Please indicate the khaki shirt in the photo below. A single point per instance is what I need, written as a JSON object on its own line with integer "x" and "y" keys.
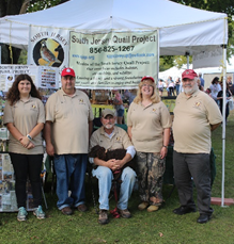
{"x": 70, "y": 117}
{"x": 148, "y": 124}
{"x": 118, "y": 140}
{"x": 25, "y": 116}
{"x": 192, "y": 119}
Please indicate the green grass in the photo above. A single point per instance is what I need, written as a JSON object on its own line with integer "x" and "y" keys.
{"x": 159, "y": 227}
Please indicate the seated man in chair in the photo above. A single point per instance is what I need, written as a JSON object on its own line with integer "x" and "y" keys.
{"x": 112, "y": 137}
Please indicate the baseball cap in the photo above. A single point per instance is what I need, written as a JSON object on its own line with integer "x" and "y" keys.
{"x": 68, "y": 71}
{"x": 107, "y": 111}
{"x": 189, "y": 74}
{"x": 147, "y": 77}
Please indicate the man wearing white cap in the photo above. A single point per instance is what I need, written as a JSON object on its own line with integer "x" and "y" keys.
{"x": 112, "y": 137}
{"x": 195, "y": 116}
{"x": 68, "y": 128}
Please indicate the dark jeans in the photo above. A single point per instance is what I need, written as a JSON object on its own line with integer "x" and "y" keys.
{"x": 171, "y": 91}
{"x": 27, "y": 166}
{"x": 197, "y": 166}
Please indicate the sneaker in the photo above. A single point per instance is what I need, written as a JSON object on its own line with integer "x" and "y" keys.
{"x": 39, "y": 213}
{"x": 22, "y": 214}
{"x": 143, "y": 205}
{"x": 103, "y": 217}
{"x": 125, "y": 213}
{"x": 152, "y": 208}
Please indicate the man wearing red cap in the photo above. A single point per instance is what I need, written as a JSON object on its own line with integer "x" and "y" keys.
{"x": 195, "y": 116}
{"x": 68, "y": 128}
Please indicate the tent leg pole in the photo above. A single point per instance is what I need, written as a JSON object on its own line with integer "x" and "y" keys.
{"x": 224, "y": 122}
{"x": 187, "y": 56}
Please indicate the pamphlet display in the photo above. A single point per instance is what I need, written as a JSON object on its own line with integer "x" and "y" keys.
{"x": 43, "y": 76}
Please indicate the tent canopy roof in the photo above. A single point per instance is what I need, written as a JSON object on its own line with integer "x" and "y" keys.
{"x": 181, "y": 28}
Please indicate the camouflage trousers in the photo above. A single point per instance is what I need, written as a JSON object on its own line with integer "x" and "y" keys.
{"x": 150, "y": 170}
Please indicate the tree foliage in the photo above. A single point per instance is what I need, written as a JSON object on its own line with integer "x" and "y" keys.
{"x": 15, "y": 7}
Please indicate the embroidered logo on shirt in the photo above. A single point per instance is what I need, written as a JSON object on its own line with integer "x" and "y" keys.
{"x": 153, "y": 110}
{"x": 81, "y": 101}
{"x": 198, "y": 105}
{"x": 34, "y": 106}
{"x": 117, "y": 139}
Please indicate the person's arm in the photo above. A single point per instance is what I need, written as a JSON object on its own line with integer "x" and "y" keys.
{"x": 14, "y": 131}
{"x": 111, "y": 164}
{"x": 34, "y": 132}
{"x": 213, "y": 127}
{"x": 166, "y": 139}
{"x": 130, "y": 132}
{"x": 90, "y": 128}
{"x": 47, "y": 136}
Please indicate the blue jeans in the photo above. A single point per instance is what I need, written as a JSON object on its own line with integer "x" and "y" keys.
{"x": 70, "y": 170}
{"x": 105, "y": 177}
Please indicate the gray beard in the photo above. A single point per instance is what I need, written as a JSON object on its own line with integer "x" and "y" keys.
{"x": 190, "y": 91}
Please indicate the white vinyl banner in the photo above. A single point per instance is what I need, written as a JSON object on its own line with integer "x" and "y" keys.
{"x": 113, "y": 60}
{"x": 208, "y": 59}
{"x": 48, "y": 47}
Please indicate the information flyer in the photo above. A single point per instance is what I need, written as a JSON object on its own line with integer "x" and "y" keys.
{"x": 42, "y": 76}
{"x": 113, "y": 60}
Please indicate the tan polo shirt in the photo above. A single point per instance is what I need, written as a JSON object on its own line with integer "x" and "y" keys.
{"x": 147, "y": 125}
{"x": 192, "y": 119}
{"x": 118, "y": 140}
{"x": 25, "y": 116}
{"x": 70, "y": 117}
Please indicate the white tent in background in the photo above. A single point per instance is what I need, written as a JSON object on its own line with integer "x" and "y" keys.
{"x": 174, "y": 72}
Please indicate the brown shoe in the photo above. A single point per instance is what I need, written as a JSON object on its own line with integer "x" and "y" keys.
{"x": 103, "y": 217}
{"x": 143, "y": 205}
{"x": 82, "y": 208}
{"x": 125, "y": 213}
{"x": 67, "y": 211}
{"x": 152, "y": 208}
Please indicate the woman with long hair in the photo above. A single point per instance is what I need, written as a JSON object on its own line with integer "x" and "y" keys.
{"x": 149, "y": 126}
{"x": 24, "y": 116}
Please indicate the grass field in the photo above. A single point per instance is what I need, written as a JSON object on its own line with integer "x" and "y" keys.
{"x": 158, "y": 227}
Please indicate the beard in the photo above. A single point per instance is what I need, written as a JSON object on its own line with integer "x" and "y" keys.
{"x": 109, "y": 126}
{"x": 189, "y": 90}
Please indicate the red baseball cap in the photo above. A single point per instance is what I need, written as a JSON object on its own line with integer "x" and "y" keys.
{"x": 147, "y": 78}
{"x": 68, "y": 71}
{"x": 189, "y": 74}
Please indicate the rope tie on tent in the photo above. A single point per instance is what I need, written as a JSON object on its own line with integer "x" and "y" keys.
{"x": 11, "y": 53}
{"x": 10, "y": 47}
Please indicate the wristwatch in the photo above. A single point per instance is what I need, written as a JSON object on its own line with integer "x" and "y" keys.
{"x": 165, "y": 146}
{"x": 29, "y": 137}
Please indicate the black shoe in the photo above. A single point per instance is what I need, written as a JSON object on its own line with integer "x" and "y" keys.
{"x": 183, "y": 210}
{"x": 203, "y": 218}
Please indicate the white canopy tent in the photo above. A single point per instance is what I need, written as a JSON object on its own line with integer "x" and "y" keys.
{"x": 182, "y": 29}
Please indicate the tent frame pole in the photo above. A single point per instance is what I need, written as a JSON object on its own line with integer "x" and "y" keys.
{"x": 224, "y": 121}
